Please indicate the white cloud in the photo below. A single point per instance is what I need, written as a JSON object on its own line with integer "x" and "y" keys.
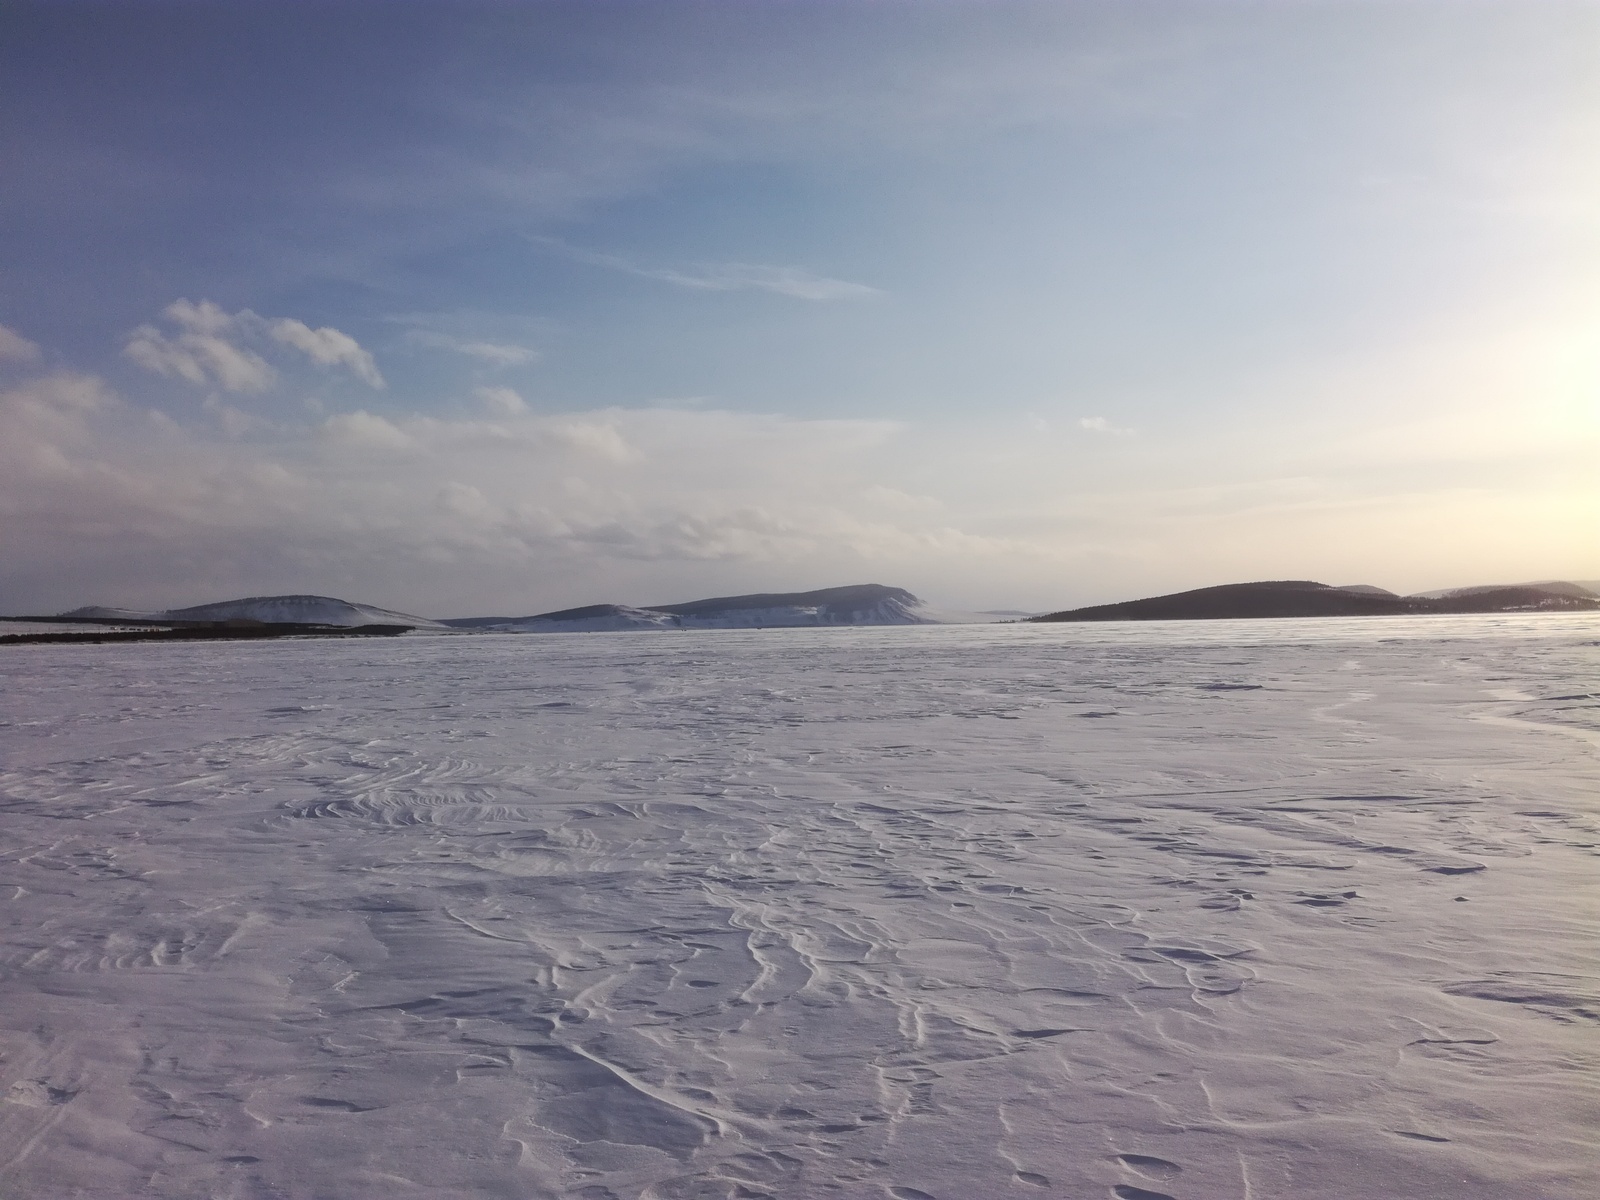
{"x": 362, "y": 428}
{"x": 723, "y": 277}
{"x": 201, "y": 352}
{"x": 233, "y": 421}
{"x": 16, "y": 348}
{"x": 1102, "y": 425}
{"x": 545, "y": 508}
{"x": 209, "y": 349}
{"x": 600, "y": 439}
{"x": 501, "y": 401}
{"x": 496, "y": 354}
{"x": 327, "y": 347}
{"x": 101, "y": 502}
{"x": 464, "y": 500}
{"x": 898, "y": 500}
{"x": 205, "y": 317}
{"x": 64, "y": 393}
{"x": 785, "y": 281}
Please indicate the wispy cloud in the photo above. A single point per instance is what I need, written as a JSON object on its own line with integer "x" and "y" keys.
{"x": 16, "y": 348}
{"x": 1102, "y": 425}
{"x": 201, "y": 351}
{"x": 327, "y": 347}
{"x": 210, "y": 347}
{"x": 501, "y": 401}
{"x": 721, "y": 277}
{"x": 496, "y": 354}
{"x": 366, "y": 430}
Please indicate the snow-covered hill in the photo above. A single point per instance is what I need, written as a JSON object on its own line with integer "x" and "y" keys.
{"x": 296, "y": 610}
{"x": 859, "y": 604}
{"x": 99, "y": 612}
{"x": 592, "y": 618}
{"x": 1555, "y": 587}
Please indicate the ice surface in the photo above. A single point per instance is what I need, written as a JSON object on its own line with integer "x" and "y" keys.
{"x": 1284, "y": 909}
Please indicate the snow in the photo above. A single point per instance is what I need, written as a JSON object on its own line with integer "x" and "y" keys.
{"x": 101, "y": 612}
{"x": 620, "y": 617}
{"x": 1559, "y": 587}
{"x": 860, "y": 604}
{"x": 305, "y": 610}
{"x": 607, "y": 618}
{"x": 1279, "y": 909}
{"x": 311, "y": 610}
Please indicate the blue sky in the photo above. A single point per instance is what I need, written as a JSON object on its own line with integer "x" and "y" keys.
{"x": 499, "y": 307}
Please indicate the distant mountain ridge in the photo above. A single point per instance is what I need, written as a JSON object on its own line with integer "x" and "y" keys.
{"x": 270, "y": 610}
{"x": 856, "y": 604}
{"x": 1306, "y": 598}
{"x": 1560, "y": 587}
{"x": 874, "y": 604}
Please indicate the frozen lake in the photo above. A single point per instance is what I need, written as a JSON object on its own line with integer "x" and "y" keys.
{"x": 1280, "y": 909}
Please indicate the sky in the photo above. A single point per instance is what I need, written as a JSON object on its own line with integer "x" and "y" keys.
{"x": 496, "y": 308}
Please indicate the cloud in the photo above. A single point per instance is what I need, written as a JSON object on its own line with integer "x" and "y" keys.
{"x": 1101, "y": 425}
{"x": 898, "y": 500}
{"x": 16, "y": 348}
{"x": 102, "y": 501}
{"x": 207, "y": 351}
{"x": 366, "y": 429}
{"x": 497, "y": 354}
{"x": 233, "y": 421}
{"x": 785, "y": 281}
{"x": 502, "y": 401}
{"x": 61, "y": 394}
{"x": 205, "y": 317}
{"x": 327, "y": 347}
{"x": 464, "y": 500}
{"x": 601, "y": 439}
{"x": 201, "y": 351}
{"x": 723, "y": 277}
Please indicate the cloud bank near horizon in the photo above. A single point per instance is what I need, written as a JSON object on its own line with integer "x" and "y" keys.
{"x": 498, "y": 507}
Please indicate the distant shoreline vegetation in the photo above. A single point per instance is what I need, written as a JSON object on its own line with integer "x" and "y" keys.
{"x": 222, "y": 631}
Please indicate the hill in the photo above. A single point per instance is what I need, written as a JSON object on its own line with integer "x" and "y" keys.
{"x": 1305, "y": 598}
{"x": 269, "y": 610}
{"x": 858, "y": 604}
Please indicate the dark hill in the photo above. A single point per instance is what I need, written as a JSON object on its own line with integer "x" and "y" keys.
{"x": 845, "y": 602}
{"x": 1523, "y": 598}
{"x": 1304, "y": 598}
{"x": 858, "y": 604}
{"x": 566, "y": 614}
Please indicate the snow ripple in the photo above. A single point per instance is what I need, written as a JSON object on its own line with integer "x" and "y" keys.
{"x": 1303, "y": 912}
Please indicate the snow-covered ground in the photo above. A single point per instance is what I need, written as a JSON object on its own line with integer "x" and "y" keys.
{"x": 1276, "y": 909}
